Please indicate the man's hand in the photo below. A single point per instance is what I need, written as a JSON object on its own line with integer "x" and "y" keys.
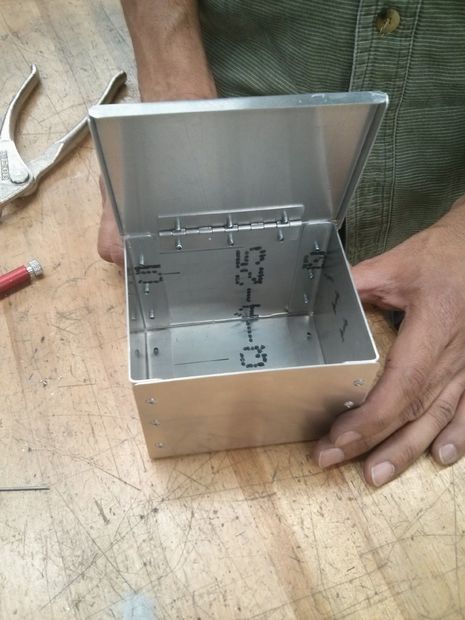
{"x": 420, "y": 399}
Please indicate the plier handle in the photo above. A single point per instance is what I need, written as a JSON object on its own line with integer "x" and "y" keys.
{"x": 18, "y": 178}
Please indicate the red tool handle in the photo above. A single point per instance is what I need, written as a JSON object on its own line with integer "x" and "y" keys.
{"x": 14, "y": 279}
{"x": 19, "y": 277}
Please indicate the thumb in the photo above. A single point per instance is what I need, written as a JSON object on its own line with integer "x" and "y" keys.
{"x": 377, "y": 282}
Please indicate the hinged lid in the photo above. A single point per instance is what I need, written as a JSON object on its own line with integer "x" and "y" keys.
{"x": 177, "y": 169}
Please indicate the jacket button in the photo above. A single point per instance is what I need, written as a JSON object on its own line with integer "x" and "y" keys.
{"x": 387, "y": 21}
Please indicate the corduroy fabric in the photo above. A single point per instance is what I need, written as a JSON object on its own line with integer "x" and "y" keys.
{"x": 417, "y": 167}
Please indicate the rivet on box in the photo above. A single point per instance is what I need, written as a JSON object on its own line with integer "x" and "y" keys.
{"x": 151, "y": 401}
{"x": 359, "y": 382}
{"x": 160, "y": 445}
{"x": 155, "y": 422}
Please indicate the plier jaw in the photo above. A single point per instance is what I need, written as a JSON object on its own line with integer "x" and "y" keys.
{"x": 18, "y": 178}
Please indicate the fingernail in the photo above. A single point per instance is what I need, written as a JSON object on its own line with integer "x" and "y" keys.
{"x": 346, "y": 438}
{"x": 382, "y": 473}
{"x": 330, "y": 457}
{"x": 448, "y": 454}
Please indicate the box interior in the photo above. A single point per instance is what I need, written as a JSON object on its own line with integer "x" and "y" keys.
{"x": 270, "y": 300}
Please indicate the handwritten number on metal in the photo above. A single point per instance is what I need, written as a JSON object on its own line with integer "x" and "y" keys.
{"x": 149, "y": 274}
{"x": 249, "y": 271}
{"x": 248, "y": 265}
{"x": 253, "y": 357}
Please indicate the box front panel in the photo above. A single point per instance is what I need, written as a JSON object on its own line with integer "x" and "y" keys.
{"x": 249, "y": 409}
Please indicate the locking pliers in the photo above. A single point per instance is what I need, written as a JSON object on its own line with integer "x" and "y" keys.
{"x": 18, "y": 178}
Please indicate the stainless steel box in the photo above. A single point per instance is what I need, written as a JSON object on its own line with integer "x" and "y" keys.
{"x": 244, "y": 325}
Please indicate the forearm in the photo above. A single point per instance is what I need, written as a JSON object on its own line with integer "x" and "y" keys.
{"x": 170, "y": 58}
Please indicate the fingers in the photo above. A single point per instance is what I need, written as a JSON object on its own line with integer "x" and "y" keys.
{"x": 376, "y": 285}
{"x": 417, "y": 372}
{"x": 449, "y": 445}
{"x": 109, "y": 244}
{"x": 406, "y": 389}
{"x": 418, "y": 400}
{"x": 405, "y": 446}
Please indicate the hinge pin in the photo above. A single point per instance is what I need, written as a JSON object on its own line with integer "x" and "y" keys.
{"x": 178, "y": 230}
{"x": 253, "y": 221}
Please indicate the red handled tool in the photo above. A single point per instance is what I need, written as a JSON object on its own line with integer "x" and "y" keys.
{"x": 20, "y": 277}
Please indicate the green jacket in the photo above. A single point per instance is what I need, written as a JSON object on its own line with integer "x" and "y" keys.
{"x": 416, "y": 54}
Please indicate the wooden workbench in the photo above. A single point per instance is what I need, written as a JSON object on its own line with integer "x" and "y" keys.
{"x": 259, "y": 533}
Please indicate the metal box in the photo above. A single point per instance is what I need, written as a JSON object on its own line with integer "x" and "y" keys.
{"x": 244, "y": 325}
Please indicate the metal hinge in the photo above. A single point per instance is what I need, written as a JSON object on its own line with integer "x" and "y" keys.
{"x": 268, "y": 218}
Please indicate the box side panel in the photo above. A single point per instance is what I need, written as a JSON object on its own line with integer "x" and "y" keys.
{"x": 251, "y": 409}
{"x": 342, "y": 328}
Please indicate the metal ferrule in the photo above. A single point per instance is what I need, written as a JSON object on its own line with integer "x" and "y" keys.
{"x": 34, "y": 268}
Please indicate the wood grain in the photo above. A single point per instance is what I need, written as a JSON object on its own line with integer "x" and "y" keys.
{"x": 259, "y": 533}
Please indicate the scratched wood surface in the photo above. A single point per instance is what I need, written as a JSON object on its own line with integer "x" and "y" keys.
{"x": 256, "y": 533}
